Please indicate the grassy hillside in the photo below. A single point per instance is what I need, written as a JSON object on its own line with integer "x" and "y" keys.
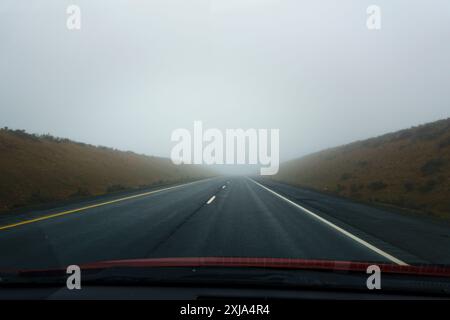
{"x": 40, "y": 169}
{"x": 409, "y": 168}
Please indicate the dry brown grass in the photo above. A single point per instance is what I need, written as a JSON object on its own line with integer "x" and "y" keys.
{"x": 40, "y": 169}
{"x": 409, "y": 168}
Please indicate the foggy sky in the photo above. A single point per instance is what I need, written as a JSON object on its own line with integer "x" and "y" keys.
{"x": 139, "y": 69}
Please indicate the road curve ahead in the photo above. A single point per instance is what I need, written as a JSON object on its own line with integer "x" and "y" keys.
{"x": 223, "y": 216}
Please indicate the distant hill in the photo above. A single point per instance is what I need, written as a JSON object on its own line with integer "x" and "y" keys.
{"x": 409, "y": 168}
{"x": 40, "y": 169}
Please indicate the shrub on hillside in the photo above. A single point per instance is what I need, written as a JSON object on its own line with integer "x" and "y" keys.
{"x": 409, "y": 186}
{"x": 429, "y": 186}
{"x": 432, "y": 166}
{"x": 115, "y": 188}
{"x": 377, "y": 185}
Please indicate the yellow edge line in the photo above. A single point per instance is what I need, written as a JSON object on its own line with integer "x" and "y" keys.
{"x": 89, "y": 207}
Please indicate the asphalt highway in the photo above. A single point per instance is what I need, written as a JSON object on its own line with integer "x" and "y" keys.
{"x": 223, "y": 216}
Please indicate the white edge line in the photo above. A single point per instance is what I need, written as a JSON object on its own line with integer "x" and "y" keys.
{"x": 346, "y": 233}
{"x": 211, "y": 199}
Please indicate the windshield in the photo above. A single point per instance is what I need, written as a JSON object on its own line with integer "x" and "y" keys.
{"x": 157, "y": 134}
